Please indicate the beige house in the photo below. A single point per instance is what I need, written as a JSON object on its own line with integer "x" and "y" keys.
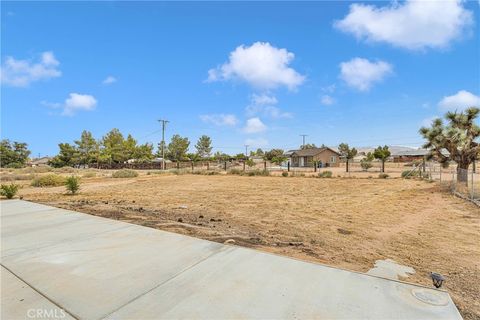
{"x": 323, "y": 157}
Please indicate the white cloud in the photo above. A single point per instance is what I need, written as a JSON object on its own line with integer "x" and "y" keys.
{"x": 263, "y": 99}
{"x": 220, "y": 119}
{"x": 265, "y": 104}
{"x": 459, "y": 101}
{"x": 78, "y": 102}
{"x": 256, "y": 143}
{"x": 327, "y": 100}
{"x": 329, "y": 89}
{"x": 261, "y": 65}
{"x": 412, "y": 25}
{"x": 254, "y": 125}
{"x": 20, "y": 73}
{"x": 362, "y": 74}
{"x": 109, "y": 80}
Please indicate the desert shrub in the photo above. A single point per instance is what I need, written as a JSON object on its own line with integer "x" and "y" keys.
{"x": 90, "y": 174}
{"x": 284, "y": 174}
{"x": 9, "y": 190}
{"x": 125, "y": 173}
{"x": 72, "y": 184}
{"x": 15, "y": 177}
{"x": 235, "y": 171}
{"x": 64, "y": 170}
{"x": 15, "y": 165}
{"x": 250, "y": 163}
{"x": 42, "y": 169}
{"x": 383, "y": 176}
{"x": 325, "y": 174}
{"x": 49, "y": 180}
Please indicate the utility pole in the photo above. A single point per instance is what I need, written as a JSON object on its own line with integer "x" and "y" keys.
{"x": 246, "y": 151}
{"x": 303, "y": 136}
{"x": 164, "y": 124}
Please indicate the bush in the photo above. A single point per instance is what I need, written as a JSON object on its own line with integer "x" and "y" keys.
{"x": 409, "y": 174}
{"x": 383, "y": 176}
{"x": 14, "y": 177}
{"x": 284, "y": 174}
{"x": 235, "y": 171}
{"x": 9, "y": 190}
{"x": 15, "y": 165}
{"x": 72, "y": 184}
{"x": 325, "y": 174}
{"x": 50, "y": 180}
{"x": 89, "y": 174}
{"x": 125, "y": 173}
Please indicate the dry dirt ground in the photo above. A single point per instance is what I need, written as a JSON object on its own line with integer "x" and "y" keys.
{"x": 348, "y": 223}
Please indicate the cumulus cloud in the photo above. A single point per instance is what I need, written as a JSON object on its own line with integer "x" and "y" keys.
{"x": 78, "y": 102}
{"x": 20, "y": 73}
{"x": 412, "y": 25}
{"x": 254, "y": 125}
{"x": 256, "y": 142}
{"x": 220, "y": 119}
{"x": 109, "y": 80}
{"x": 459, "y": 101}
{"x": 261, "y": 65}
{"x": 327, "y": 100}
{"x": 265, "y": 104}
{"x": 361, "y": 74}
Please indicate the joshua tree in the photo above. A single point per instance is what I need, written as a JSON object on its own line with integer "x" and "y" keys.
{"x": 366, "y": 162}
{"x": 382, "y": 153}
{"x": 459, "y": 137}
{"x": 347, "y": 153}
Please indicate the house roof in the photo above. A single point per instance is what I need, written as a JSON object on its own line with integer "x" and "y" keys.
{"x": 312, "y": 152}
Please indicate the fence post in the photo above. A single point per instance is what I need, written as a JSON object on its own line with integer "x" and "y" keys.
{"x": 225, "y": 165}
{"x": 208, "y": 165}
{"x": 243, "y": 165}
{"x": 193, "y": 166}
{"x": 314, "y": 166}
{"x": 288, "y": 166}
{"x": 178, "y": 164}
{"x": 265, "y": 165}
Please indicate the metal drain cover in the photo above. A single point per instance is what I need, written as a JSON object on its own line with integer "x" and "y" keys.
{"x": 430, "y": 296}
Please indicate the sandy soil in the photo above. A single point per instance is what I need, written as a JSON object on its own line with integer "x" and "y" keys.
{"x": 343, "y": 222}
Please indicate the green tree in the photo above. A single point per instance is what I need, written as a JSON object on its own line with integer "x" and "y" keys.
{"x": 13, "y": 154}
{"x": 143, "y": 152}
{"x": 113, "y": 146}
{"x": 250, "y": 163}
{"x": 220, "y": 156}
{"x": 459, "y": 137}
{"x": 382, "y": 153}
{"x": 366, "y": 163}
{"x": 347, "y": 153}
{"x": 129, "y": 148}
{"x": 86, "y": 149}
{"x": 308, "y": 146}
{"x": 66, "y": 156}
{"x": 259, "y": 152}
{"x": 274, "y": 153}
{"x": 204, "y": 146}
{"x": 240, "y": 156}
{"x": 178, "y": 147}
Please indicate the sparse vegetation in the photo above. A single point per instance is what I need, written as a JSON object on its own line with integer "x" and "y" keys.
{"x": 9, "y": 190}
{"x": 325, "y": 174}
{"x": 366, "y": 163}
{"x": 383, "y": 176}
{"x": 49, "y": 180}
{"x": 72, "y": 184}
{"x": 284, "y": 174}
{"x": 125, "y": 173}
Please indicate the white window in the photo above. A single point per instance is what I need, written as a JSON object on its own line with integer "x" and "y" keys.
{"x": 333, "y": 159}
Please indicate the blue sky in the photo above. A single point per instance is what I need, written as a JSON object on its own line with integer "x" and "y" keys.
{"x": 261, "y": 74}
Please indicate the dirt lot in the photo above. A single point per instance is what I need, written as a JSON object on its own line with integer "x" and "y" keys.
{"x": 344, "y": 222}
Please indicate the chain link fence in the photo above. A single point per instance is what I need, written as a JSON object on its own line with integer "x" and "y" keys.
{"x": 462, "y": 182}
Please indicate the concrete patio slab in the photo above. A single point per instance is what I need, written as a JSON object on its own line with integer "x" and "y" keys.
{"x": 97, "y": 268}
{"x": 20, "y": 301}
